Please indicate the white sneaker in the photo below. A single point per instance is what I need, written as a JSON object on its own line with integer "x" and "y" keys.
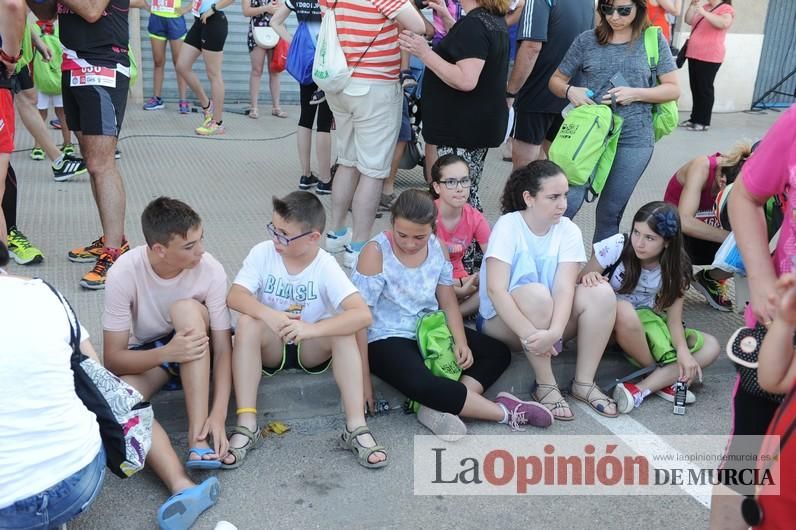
{"x": 668, "y": 394}
{"x": 350, "y": 257}
{"x": 447, "y": 427}
{"x": 335, "y": 243}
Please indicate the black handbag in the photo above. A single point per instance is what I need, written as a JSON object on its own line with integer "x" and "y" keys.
{"x": 681, "y": 58}
{"x": 743, "y": 349}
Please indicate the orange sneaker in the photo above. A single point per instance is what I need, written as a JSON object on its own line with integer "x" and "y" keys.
{"x": 90, "y": 253}
{"x": 95, "y": 278}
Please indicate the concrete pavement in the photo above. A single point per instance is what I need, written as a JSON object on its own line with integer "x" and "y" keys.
{"x": 301, "y": 480}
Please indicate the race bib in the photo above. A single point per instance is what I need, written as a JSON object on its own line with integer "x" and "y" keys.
{"x": 92, "y": 76}
{"x": 196, "y": 5}
{"x": 709, "y": 218}
{"x": 165, "y": 7}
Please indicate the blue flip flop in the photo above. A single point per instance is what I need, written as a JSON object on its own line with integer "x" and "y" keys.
{"x": 182, "y": 510}
{"x": 201, "y": 463}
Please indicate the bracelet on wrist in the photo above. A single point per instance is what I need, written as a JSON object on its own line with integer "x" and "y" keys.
{"x": 566, "y": 94}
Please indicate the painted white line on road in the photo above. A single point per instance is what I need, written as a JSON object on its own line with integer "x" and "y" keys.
{"x": 627, "y": 429}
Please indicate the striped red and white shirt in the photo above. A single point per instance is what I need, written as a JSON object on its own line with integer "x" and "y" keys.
{"x": 368, "y": 35}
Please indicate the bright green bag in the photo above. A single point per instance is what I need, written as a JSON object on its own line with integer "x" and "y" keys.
{"x": 664, "y": 115}
{"x": 585, "y": 146}
{"x": 133, "y": 67}
{"x": 435, "y": 341}
{"x": 26, "y": 48}
{"x": 659, "y": 338}
{"x": 47, "y": 75}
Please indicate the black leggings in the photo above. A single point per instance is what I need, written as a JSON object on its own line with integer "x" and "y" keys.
{"x": 307, "y": 116}
{"x": 398, "y": 362}
{"x": 701, "y": 77}
{"x": 10, "y": 199}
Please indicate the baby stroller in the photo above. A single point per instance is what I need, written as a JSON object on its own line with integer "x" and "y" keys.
{"x": 414, "y": 154}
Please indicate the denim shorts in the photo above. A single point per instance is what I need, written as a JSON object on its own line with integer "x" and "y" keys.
{"x": 173, "y": 369}
{"x": 59, "y": 504}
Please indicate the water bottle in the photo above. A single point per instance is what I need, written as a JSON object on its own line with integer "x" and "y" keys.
{"x": 589, "y": 94}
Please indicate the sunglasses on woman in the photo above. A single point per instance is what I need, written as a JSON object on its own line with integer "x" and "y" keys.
{"x": 608, "y": 10}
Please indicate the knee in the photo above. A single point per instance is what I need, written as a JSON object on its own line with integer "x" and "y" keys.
{"x": 100, "y": 166}
{"x": 710, "y": 351}
{"x": 256, "y": 72}
{"x": 159, "y": 62}
{"x": 534, "y": 295}
{"x": 600, "y": 298}
{"x": 188, "y": 311}
{"x": 246, "y": 327}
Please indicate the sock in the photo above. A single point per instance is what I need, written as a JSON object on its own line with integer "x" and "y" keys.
{"x": 9, "y": 199}
{"x": 58, "y": 162}
{"x": 357, "y": 247}
{"x": 505, "y": 413}
{"x": 639, "y": 398}
{"x": 114, "y": 252}
{"x": 341, "y": 232}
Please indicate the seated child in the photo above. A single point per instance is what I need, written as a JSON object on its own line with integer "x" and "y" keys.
{"x": 405, "y": 272}
{"x": 650, "y": 269}
{"x": 295, "y": 301}
{"x": 458, "y": 224}
{"x": 529, "y": 293}
{"x": 162, "y": 300}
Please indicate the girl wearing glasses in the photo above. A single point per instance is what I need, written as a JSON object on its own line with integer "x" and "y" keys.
{"x": 611, "y": 61}
{"x": 458, "y": 224}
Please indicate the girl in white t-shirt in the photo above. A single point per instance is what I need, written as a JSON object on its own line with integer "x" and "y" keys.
{"x": 529, "y": 293}
{"x": 650, "y": 269}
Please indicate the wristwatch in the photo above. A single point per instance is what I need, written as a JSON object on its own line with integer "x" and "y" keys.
{"x": 8, "y": 59}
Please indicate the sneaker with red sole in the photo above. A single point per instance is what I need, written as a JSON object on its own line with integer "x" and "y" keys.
{"x": 668, "y": 394}
{"x": 524, "y": 412}
{"x": 627, "y": 396}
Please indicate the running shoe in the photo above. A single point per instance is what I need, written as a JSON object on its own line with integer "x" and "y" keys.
{"x": 318, "y": 97}
{"x": 337, "y": 242}
{"x": 95, "y": 278}
{"x": 627, "y": 396}
{"x": 154, "y": 103}
{"x": 185, "y": 107}
{"x": 716, "y": 292}
{"x": 210, "y": 129}
{"x": 55, "y": 123}
{"x": 324, "y": 188}
{"x": 21, "y": 250}
{"x": 524, "y": 412}
{"x": 37, "y": 153}
{"x": 350, "y": 257}
{"x": 208, "y": 114}
{"x": 307, "y": 181}
{"x": 68, "y": 149}
{"x": 68, "y": 167}
{"x": 93, "y": 251}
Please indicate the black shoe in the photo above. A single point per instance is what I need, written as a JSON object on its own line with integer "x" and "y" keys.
{"x": 318, "y": 97}
{"x": 69, "y": 167}
{"x": 324, "y": 188}
{"x": 307, "y": 181}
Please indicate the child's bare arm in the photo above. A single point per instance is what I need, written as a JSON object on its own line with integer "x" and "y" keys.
{"x": 777, "y": 363}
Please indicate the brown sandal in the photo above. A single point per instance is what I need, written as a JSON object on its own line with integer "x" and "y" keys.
{"x": 553, "y": 404}
{"x": 594, "y": 402}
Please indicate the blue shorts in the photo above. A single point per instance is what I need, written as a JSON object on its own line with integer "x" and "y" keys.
{"x": 173, "y": 369}
{"x": 405, "y": 134}
{"x": 163, "y": 28}
{"x": 60, "y": 503}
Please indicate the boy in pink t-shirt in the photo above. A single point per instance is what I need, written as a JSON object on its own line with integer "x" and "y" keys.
{"x": 458, "y": 224}
{"x": 165, "y": 312}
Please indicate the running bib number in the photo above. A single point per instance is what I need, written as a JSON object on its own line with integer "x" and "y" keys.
{"x": 195, "y": 7}
{"x": 93, "y": 76}
{"x": 164, "y": 6}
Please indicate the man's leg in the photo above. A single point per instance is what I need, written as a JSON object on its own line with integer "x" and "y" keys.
{"x": 364, "y": 206}
{"x": 524, "y": 153}
{"x": 106, "y": 185}
{"x": 195, "y": 375}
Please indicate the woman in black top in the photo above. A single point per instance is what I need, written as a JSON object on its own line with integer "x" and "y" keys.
{"x": 464, "y": 88}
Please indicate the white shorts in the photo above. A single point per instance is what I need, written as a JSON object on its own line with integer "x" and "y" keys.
{"x": 44, "y": 101}
{"x": 367, "y": 126}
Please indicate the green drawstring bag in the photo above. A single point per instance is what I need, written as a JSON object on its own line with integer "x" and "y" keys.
{"x": 664, "y": 115}
{"x": 435, "y": 341}
{"x": 659, "y": 339}
{"x": 47, "y": 75}
{"x": 133, "y": 67}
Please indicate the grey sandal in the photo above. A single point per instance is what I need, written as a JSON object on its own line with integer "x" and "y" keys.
{"x": 348, "y": 440}
{"x": 552, "y": 404}
{"x": 240, "y": 452}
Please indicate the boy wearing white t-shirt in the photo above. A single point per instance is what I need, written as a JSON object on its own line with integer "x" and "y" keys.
{"x": 165, "y": 313}
{"x": 298, "y": 308}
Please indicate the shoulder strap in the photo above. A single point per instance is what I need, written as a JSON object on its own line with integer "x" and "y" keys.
{"x": 703, "y": 18}
{"x": 651, "y": 36}
{"x": 610, "y": 269}
{"x": 74, "y": 325}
